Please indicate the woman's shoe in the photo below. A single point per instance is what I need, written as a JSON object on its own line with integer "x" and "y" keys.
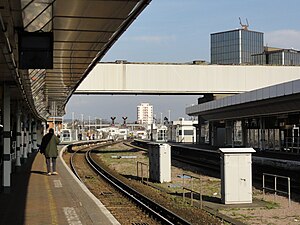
{"x": 54, "y": 173}
{"x": 49, "y": 174}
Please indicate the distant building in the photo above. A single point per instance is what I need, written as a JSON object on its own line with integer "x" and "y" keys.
{"x": 277, "y": 56}
{"x": 236, "y": 46}
{"x": 243, "y": 46}
{"x": 182, "y": 131}
{"x": 145, "y": 113}
{"x": 159, "y": 133}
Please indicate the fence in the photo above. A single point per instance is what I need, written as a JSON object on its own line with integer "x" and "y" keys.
{"x": 275, "y": 186}
{"x": 141, "y": 165}
{"x": 191, "y": 190}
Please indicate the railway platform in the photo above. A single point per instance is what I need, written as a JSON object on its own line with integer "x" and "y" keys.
{"x": 36, "y": 198}
{"x": 278, "y": 159}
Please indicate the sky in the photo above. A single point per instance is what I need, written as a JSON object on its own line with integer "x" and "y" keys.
{"x": 179, "y": 31}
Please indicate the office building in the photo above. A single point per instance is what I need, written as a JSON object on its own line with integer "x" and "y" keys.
{"x": 277, "y": 56}
{"x": 243, "y": 46}
{"x": 145, "y": 113}
{"x": 236, "y": 46}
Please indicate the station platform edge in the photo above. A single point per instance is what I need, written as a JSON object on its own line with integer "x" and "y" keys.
{"x": 35, "y": 198}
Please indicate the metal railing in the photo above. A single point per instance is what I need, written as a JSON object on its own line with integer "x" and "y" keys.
{"x": 141, "y": 165}
{"x": 191, "y": 190}
{"x": 292, "y": 144}
{"x": 288, "y": 192}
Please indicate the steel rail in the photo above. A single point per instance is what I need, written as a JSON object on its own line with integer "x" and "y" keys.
{"x": 72, "y": 164}
{"x": 161, "y": 213}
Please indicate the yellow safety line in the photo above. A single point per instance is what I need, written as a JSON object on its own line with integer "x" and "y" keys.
{"x": 52, "y": 205}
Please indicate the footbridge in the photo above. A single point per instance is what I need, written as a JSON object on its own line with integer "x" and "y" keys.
{"x": 183, "y": 79}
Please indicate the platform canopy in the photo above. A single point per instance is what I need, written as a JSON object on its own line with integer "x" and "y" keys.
{"x": 280, "y": 99}
{"x": 83, "y": 31}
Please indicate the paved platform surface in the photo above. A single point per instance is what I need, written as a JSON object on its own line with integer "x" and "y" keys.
{"x": 38, "y": 199}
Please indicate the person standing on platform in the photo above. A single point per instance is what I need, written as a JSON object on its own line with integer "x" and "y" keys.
{"x": 49, "y": 148}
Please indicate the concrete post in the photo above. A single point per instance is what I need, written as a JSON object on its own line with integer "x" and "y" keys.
{"x": 6, "y": 178}
{"x": 18, "y": 138}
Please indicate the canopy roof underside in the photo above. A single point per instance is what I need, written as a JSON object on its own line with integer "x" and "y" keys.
{"x": 83, "y": 32}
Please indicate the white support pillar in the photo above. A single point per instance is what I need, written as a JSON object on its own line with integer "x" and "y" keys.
{"x": 6, "y": 180}
{"x": 34, "y": 135}
{"x": 29, "y": 135}
{"x": 18, "y": 138}
{"x": 26, "y": 142}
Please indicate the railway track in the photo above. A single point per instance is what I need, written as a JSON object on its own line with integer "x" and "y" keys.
{"x": 113, "y": 151}
{"x": 120, "y": 198}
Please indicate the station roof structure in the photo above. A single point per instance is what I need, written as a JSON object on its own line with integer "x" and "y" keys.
{"x": 277, "y": 99}
{"x": 83, "y": 31}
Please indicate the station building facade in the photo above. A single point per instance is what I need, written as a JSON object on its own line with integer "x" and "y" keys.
{"x": 277, "y": 56}
{"x": 183, "y": 131}
{"x": 265, "y": 119}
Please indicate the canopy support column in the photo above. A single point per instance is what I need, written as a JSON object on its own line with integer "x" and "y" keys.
{"x": 6, "y": 181}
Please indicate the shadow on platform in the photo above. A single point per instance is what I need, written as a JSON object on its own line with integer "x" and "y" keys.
{"x": 13, "y": 200}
